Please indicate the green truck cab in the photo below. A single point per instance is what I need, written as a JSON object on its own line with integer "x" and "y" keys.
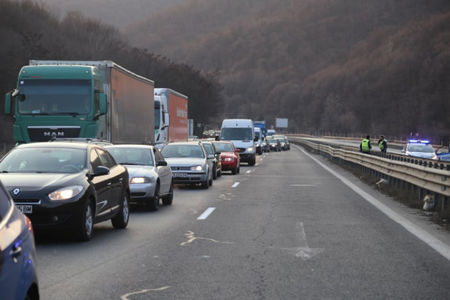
{"x": 56, "y": 101}
{"x": 75, "y": 99}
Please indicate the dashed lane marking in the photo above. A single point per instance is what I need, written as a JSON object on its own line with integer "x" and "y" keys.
{"x": 235, "y": 184}
{"x": 206, "y": 213}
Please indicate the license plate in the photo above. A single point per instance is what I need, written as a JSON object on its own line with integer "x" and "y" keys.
{"x": 26, "y": 209}
{"x": 182, "y": 175}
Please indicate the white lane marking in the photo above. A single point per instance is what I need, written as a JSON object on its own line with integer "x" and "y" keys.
{"x": 421, "y": 234}
{"x": 249, "y": 171}
{"x": 303, "y": 251}
{"x": 125, "y": 297}
{"x": 191, "y": 237}
{"x": 303, "y": 185}
{"x": 206, "y": 213}
{"x": 235, "y": 184}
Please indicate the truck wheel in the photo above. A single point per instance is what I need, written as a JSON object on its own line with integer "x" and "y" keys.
{"x": 120, "y": 220}
{"x": 167, "y": 200}
{"x": 86, "y": 226}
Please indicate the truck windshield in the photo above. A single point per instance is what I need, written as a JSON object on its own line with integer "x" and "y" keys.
{"x": 55, "y": 96}
{"x": 236, "y": 134}
{"x": 157, "y": 115}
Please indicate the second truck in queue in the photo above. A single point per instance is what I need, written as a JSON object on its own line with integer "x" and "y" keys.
{"x": 171, "y": 116}
{"x": 81, "y": 99}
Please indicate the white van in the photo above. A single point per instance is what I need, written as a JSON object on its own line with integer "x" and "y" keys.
{"x": 241, "y": 132}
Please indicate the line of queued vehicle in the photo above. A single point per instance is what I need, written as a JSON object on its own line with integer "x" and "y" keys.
{"x": 68, "y": 186}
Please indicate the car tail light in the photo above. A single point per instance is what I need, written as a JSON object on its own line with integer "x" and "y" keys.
{"x": 29, "y": 224}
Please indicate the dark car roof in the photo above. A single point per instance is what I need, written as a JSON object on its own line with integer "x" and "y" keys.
{"x": 78, "y": 145}
{"x": 130, "y": 146}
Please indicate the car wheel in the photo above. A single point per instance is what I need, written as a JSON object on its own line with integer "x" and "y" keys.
{"x": 234, "y": 170}
{"x": 215, "y": 172}
{"x": 86, "y": 225}
{"x": 252, "y": 162}
{"x": 239, "y": 169}
{"x": 153, "y": 203}
{"x": 210, "y": 182}
{"x": 219, "y": 173}
{"x": 205, "y": 184}
{"x": 120, "y": 220}
{"x": 167, "y": 200}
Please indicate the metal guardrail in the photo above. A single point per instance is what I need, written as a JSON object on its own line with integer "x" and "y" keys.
{"x": 423, "y": 173}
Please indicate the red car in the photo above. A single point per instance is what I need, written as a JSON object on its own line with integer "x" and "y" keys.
{"x": 229, "y": 156}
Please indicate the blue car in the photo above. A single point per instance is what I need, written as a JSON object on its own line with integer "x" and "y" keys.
{"x": 18, "y": 279}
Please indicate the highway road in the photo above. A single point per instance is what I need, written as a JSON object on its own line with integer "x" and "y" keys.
{"x": 292, "y": 227}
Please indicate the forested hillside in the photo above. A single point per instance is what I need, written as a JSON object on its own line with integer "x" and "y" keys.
{"x": 118, "y": 13}
{"x": 29, "y": 31}
{"x": 330, "y": 66}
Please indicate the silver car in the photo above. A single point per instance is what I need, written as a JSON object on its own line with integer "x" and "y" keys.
{"x": 190, "y": 163}
{"x": 150, "y": 176}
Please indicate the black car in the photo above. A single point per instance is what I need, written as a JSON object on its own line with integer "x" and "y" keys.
{"x": 67, "y": 186}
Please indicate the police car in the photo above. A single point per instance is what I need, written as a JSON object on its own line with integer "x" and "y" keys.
{"x": 420, "y": 148}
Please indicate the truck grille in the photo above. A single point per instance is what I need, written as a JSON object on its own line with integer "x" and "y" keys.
{"x": 42, "y": 134}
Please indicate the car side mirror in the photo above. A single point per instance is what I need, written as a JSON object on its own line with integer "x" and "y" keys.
{"x": 100, "y": 171}
{"x": 255, "y": 139}
{"x": 8, "y": 103}
{"x": 161, "y": 163}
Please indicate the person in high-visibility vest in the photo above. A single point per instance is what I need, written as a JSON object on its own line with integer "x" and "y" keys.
{"x": 365, "y": 145}
{"x": 382, "y": 143}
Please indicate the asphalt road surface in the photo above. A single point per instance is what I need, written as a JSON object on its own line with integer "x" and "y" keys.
{"x": 286, "y": 228}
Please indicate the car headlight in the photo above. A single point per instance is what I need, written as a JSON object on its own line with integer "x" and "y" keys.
{"x": 65, "y": 193}
{"x": 250, "y": 149}
{"x": 228, "y": 159}
{"x": 140, "y": 180}
{"x": 197, "y": 168}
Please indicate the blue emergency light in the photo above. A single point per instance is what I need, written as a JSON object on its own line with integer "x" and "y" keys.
{"x": 418, "y": 141}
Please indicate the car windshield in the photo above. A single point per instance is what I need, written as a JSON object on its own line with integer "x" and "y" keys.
{"x": 173, "y": 150}
{"x": 420, "y": 148}
{"x": 55, "y": 96}
{"x": 44, "y": 160}
{"x": 224, "y": 147}
{"x": 132, "y": 156}
{"x": 236, "y": 134}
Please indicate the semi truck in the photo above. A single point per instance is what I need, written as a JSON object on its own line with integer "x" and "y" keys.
{"x": 171, "y": 116}
{"x": 81, "y": 99}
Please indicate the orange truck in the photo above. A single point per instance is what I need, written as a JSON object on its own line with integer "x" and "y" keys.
{"x": 171, "y": 116}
